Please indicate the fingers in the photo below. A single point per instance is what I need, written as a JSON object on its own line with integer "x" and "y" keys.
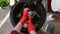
{"x": 25, "y": 11}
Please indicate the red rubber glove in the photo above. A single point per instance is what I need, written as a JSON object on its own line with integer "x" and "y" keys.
{"x": 25, "y": 13}
{"x": 30, "y": 25}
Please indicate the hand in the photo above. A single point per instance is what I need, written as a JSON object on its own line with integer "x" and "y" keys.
{"x": 25, "y": 13}
{"x": 30, "y": 25}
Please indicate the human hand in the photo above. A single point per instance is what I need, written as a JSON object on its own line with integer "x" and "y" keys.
{"x": 30, "y": 25}
{"x": 24, "y": 16}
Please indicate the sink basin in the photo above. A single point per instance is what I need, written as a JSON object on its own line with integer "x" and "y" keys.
{"x": 38, "y": 11}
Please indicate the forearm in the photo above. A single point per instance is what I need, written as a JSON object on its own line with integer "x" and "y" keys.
{"x": 18, "y": 27}
{"x": 33, "y": 32}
